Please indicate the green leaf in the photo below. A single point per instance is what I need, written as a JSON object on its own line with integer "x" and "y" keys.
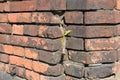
{"x": 67, "y": 32}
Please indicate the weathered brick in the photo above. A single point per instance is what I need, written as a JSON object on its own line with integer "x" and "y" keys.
{"x": 50, "y": 31}
{"x": 28, "y": 64}
{"x": 50, "y": 57}
{"x": 116, "y": 16}
{"x": 118, "y": 4}
{"x": 92, "y": 31}
{"x": 100, "y": 71}
{"x": 30, "y": 75}
{"x": 93, "y": 57}
{"x": 2, "y": 7}
{"x": 4, "y": 58}
{"x": 74, "y": 17}
{"x": 74, "y": 69}
{"x": 90, "y": 4}
{"x": 72, "y": 78}
{"x": 58, "y": 4}
{"x": 118, "y": 52}
{"x": 31, "y": 30}
{"x": 118, "y": 30}
{"x": 102, "y": 17}
{"x": 19, "y": 40}
{"x": 47, "y": 69}
{"x": 116, "y": 68}
{"x": 8, "y": 49}
{"x": 41, "y": 43}
{"x": 20, "y": 72}
{"x": 17, "y": 29}
{"x": 46, "y": 44}
{"x": 41, "y": 6}
{"x": 5, "y": 28}
{"x": 51, "y": 5}
{"x": 3, "y": 17}
{"x": 19, "y": 17}
{"x": 110, "y": 78}
{"x": 17, "y": 61}
{"x": 75, "y": 43}
{"x": 1, "y": 48}
{"x": 62, "y": 77}
{"x": 19, "y": 51}
{"x": 21, "y": 5}
{"x": 4, "y": 38}
{"x": 102, "y": 44}
{"x": 31, "y": 53}
{"x": 45, "y": 17}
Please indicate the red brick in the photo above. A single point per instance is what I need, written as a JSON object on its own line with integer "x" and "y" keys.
{"x": 19, "y": 51}
{"x": 30, "y": 75}
{"x": 19, "y": 17}
{"x": 51, "y": 5}
{"x": 40, "y": 67}
{"x": 47, "y": 69}
{"x": 1, "y": 48}
{"x": 74, "y": 17}
{"x": 95, "y": 57}
{"x": 2, "y": 7}
{"x": 118, "y": 29}
{"x": 17, "y": 61}
{"x": 41, "y": 6}
{"x": 92, "y": 31}
{"x": 31, "y": 30}
{"x": 117, "y": 17}
{"x": 5, "y": 28}
{"x": 8, "y": 49}
{"x": 45, "y": 17}
{"x": 31, "y": 53}
{"x": 2, "y": 0}
{"x": 102, "y": 44}
{"x": 118, "y": 4}
{"x": 28, "y": 64}
{"x": 46, "y": 44}
{"x": 3, "y": 17}
{"x": 19, "y": 40}
{"x": 17, "y": 29}
{"x": 21, "y": 5}
{"x": 4, "y": 58}
{"x": 4, "y": 38}
{"x": 50, "y": 31}
{"x": 116, "y": 70}
{"x": 58, "y": 4}
{"x": 90, "y": 4}
{"x": 102, "y": 17}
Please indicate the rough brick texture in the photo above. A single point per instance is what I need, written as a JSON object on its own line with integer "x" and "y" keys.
{"x": 35, "y": 42}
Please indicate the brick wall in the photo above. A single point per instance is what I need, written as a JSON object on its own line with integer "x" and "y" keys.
{"x": 33, "y": 45}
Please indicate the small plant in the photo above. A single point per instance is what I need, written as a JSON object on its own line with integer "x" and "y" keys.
{"x": 64, "y": 37}
{"x": 65, "y": 33}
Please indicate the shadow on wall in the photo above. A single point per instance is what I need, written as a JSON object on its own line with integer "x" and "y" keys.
{"x": 6, "y": 76}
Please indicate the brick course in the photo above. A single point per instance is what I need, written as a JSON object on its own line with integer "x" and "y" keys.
{"x": 34, "y": 46}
